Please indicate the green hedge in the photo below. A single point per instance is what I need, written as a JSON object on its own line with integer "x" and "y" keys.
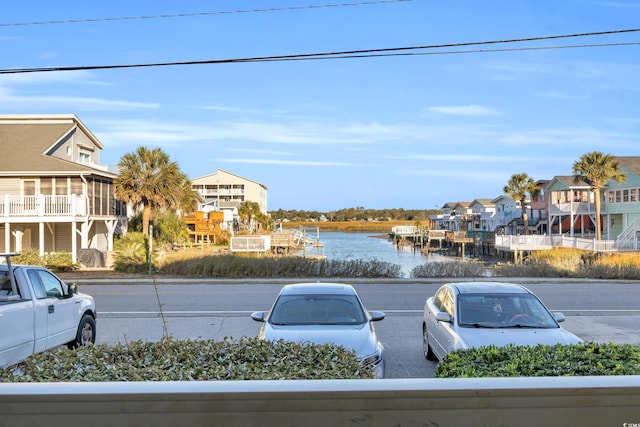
{"x": 186, "y": 360}
{"x": 585, "y": 359}
{"x": 56, "y": 261}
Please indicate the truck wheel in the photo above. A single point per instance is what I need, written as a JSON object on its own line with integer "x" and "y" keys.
{"x": 86, "y": 333}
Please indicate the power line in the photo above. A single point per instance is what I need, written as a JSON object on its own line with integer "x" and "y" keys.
{"x": 398, "y": 51}
{"x": 184, "y": 15}
{"x": 452, "y": 52}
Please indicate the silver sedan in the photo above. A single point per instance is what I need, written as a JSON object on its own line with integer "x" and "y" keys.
{"x": 324, "y": 313}
{"x": 476, "y": 314}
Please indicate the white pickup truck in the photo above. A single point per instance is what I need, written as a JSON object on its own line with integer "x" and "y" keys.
{"x": 38, "y": 312}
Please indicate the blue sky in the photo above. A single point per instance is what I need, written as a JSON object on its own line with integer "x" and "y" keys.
{"x": 411, "y": 132}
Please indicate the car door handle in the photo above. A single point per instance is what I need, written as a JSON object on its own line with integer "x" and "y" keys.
{"x": 52, "y": 308}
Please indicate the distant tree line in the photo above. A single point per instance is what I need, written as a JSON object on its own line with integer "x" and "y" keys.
{"x": 355, "y": 214}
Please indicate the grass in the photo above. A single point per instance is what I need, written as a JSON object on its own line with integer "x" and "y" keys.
{"x": 218, "y": 262}
{"x": 353, "y": 226}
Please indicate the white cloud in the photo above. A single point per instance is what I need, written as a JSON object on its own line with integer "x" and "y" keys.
{"x": 473, "y": 158}
{"x": 68, "y": 103}
{"x": 290, "y": 162}
{"x": 69, "y": 77}
{"x": 258, "y": 151}
{"x": 465, "y": 110}
{"x": 565, "y": 137}
{"x": 472, "y": 175}
{"x": 560, "y": 95}
{"x": 230, "y": 109}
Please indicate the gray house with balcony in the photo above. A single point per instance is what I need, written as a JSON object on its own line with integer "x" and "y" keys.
{"x": 54, "y": 194}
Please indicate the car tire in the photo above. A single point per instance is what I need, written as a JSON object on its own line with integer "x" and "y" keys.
{"x": 426, "y": 348}
{"x": 86, "y": 334}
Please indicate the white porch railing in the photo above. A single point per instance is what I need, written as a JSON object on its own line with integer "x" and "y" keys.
{"x": 534, "y": 242}
{"x": 580, "y": 208}
{"x": 41, "y": 205}
{"x": 259, "y": 243}
{"x": 403, "y": 230}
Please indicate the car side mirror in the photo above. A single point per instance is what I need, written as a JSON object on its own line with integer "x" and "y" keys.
{"x": 258, "y": 316}
{"x": 72, "y": 289}
{"x": 443, "y": 316}
{"x": 559, "y": 316}
{"x": 377, "y": 315}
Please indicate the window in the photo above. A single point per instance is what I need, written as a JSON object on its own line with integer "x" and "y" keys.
{"x": 439, "y": 302}
{"x": 37, "y": 284}
{"x": 84, "y": 158}
{"x": 29, "y": 188}
{"x": 448, "y": 303}
{"x": 52, "y": 286}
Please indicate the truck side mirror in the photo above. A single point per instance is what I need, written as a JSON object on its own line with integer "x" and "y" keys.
{"x": 72, "y": 289}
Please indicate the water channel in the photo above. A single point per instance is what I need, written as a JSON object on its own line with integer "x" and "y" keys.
{"x": 368, "y": 246}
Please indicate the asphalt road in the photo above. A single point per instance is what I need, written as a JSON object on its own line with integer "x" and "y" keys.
{"x": 595, "y": 310}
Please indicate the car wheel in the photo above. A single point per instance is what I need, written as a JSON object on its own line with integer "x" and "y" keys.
{"x": 86, "y": 334}
{"x": 426, "y": 348}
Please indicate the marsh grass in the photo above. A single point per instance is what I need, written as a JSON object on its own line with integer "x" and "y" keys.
{"x": 217, "y": 262}
{"x": 248, "y": 266}
{"x": 449, "y": 269}
{"x": 575, "y": 263}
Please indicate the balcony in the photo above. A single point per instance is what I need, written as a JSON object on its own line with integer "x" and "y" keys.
{"x": 576, "y": 208}
{"x": 42, "y": 206}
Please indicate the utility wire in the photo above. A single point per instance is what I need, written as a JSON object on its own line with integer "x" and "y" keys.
{"x": 184, "y": 15}
{"x": 398, "y": 51}
{"x": 448, "y": 52}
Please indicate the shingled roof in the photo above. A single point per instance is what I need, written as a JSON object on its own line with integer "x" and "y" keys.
{"x": 629, "y": 162}
{"x": 27, "y": 141}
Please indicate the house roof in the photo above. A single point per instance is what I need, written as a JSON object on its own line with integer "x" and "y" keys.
{"x": 629, "y": 162}
{"x": 28, "y": 139}
{"x": 504, "y": 196}
{"x": 201, "y": 178}
{"x": 483, "y": 202}
{"x": 568, "y": 181}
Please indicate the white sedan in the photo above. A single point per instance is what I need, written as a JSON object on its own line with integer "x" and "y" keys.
{"x": 476, "y": 314}
{"x": 323, "y": 313}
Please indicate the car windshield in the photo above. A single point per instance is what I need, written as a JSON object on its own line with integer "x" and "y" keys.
{"x": 503, "y": 311}
{"x": 317, "y": 310}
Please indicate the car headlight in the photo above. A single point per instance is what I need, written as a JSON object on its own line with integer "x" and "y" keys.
{"x": 373, "y": 359}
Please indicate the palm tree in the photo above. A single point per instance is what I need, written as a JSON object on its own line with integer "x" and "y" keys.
{"x": 518, "y": 186}
{"x": 147, "y": 177}
{"x": 247, "y": 211}
{"x": 596, "y": 169}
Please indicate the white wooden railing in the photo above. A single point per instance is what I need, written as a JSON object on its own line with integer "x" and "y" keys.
{"x": 41, "y": 205}
{"x": 535, "y": 242}
{"x": 257, "y": 243}
{"x": 403, "y": 230}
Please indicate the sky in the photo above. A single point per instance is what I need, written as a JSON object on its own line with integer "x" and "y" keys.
{"x": 404, "y": 128}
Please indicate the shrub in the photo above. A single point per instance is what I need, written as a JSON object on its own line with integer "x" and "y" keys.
{"x": 131, "y": 253}
{"x": 190, "y": 360}
{"x": 584, "y": 359}
{"x": 60, "y": 261}
{"x": 28, "y": 257}
{"x": 528, "y": 270}
{"x": 449, "y": 269}
{"x": 56, "y": 261}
